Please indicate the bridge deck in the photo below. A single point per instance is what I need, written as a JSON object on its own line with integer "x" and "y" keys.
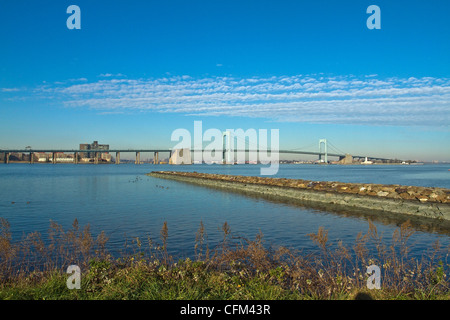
{"x": 170, "y": 150}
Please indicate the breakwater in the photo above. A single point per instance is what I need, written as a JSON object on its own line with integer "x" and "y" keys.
{"x": 397, "y": 201}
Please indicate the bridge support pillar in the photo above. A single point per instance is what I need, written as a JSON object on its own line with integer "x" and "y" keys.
{"x": 6, "y": 157}
{"x": 324, "y": 141}
{"x": 226, "y": 156}
{"x": 53, "y": 157}
{"x": 138, "y": 158}
{"x": 96, "y": 158}
{"x": 75, "y": 157}
{"x": 155, "y": 158}
{"x": 31, "y": 158}
{"x": 117, "y": 157}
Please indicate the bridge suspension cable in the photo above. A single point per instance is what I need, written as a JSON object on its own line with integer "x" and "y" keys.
{"x": 330, "y": 144}
{"x": 304, "y": 147}
{"x": 245, "y": 142}
{"x": 247, "y": 145}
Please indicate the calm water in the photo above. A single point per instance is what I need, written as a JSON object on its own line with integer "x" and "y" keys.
{"x": 125, "y": 203}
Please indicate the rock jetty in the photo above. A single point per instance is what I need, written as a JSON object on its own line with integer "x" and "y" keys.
{"x": 411, "y": 200}
{"x": 414, "y": 193}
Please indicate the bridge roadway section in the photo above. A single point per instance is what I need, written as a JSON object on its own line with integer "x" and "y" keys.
{"x": 155, "y": 152}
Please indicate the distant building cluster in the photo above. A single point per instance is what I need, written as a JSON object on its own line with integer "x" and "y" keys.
{"x": 89, "y": 156}
{"x": 95, "y": 152}
{"x": 38, "y": 157}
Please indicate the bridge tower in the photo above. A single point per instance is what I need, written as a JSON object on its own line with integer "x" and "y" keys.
{"x": 324, "y": 141}
{"x": 227, "y": 149}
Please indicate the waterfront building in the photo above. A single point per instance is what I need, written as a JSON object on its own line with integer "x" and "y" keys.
{"x": 95, "y": 146}
{"x": 84, "y": 146}
{"x": 181, "y": 156}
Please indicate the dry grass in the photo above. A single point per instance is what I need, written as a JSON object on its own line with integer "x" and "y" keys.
{"x": 237, "y": 268}
{"x": 33, "y": 254}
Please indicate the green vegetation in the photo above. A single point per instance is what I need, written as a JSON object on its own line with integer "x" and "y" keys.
{"x": 236, "y": 269}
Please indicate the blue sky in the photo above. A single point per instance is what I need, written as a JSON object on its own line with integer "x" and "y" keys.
{"x": 138, "y": 70}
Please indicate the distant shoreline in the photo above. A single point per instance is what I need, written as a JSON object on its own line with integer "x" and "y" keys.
{"x": 281, "y": 163}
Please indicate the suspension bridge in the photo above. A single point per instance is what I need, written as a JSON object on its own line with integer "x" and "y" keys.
{"x": 324, "y": 149}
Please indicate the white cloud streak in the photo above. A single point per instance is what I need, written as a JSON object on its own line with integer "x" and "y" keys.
{"x": 365, "y": 100}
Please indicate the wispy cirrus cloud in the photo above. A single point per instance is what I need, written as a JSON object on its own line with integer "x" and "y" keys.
{"x": 9, "y": 89}
{"x": 109, "y": 75}
{"x": 367, "y": 100}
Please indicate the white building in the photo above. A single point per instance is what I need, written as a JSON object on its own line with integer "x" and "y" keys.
{"x": 181, "y": 156}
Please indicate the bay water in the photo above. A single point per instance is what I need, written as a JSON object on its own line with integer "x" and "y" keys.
{"x": 126, "y": 204}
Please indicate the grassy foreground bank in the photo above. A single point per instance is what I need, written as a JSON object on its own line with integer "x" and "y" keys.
{"x": 237, "y": 268}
